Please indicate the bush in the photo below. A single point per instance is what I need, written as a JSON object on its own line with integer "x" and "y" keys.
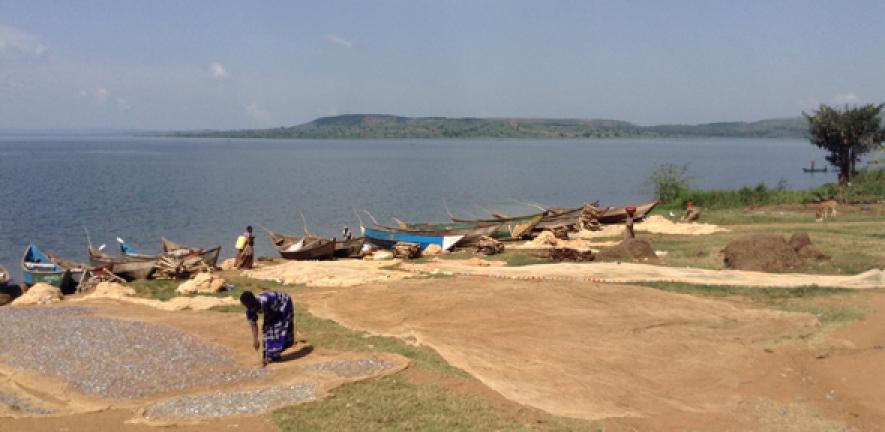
{"x": 669, "y": 181}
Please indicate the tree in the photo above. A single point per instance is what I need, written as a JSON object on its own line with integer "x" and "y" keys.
{"x": 668, "y": 181}
{"x": 845, "y": 134}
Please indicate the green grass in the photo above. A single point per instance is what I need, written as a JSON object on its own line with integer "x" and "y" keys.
{"x": 809, "y": 299}
{"x": 396, "y": 404}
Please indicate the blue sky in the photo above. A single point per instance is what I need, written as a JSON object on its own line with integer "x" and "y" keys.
{"x": 225, "y": 64}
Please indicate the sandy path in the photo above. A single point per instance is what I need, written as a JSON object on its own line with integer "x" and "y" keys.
{"x": 577, "y": 349}
{"x": 637, "y": 273}
{"x": 339, "y": 273}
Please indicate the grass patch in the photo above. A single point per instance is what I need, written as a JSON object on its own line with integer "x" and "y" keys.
{"x": 811, "y": 299}
{"x": 396, "y": 404}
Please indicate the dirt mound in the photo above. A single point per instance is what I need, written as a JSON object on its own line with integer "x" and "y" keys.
{"x": 770, "y": 252}
{"x": 40, "y": 293}
{"x": 628, "y": 250}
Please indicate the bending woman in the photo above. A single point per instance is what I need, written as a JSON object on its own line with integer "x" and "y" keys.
{"x": 279, "y": 321}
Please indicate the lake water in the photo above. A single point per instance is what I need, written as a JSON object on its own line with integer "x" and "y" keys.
{"x": 203, "y": 192}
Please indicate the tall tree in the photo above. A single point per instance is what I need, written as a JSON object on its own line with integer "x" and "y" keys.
{"x": 846, "y": 134}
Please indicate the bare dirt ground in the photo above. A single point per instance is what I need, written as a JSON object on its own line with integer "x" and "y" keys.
{"x": 74, "y": 411}
{"x": 638, "y": 273}
{"x": 647, "y": 359}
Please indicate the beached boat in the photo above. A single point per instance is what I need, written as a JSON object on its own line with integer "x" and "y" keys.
{"x": 555, "y": 218}
{"x": 209, "y": 256}
{"x": 386, "y": 237}
{"x": 129, "y": 269}
{"x": 302, "y": 248}
{"x": 613, "y": 215}
{"x": 508, "y": 230}
{"x": 350, "y": 248}
{"x": 37, "y": 268}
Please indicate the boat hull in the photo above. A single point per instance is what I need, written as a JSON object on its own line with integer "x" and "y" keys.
{"x": 387, "y": 237}
{"x": 55, "y": 276}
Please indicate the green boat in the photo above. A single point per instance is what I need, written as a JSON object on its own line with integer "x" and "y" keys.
{"x": 37, "y": 268}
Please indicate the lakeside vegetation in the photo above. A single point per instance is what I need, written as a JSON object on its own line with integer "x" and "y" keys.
{"x": 376, "y": 126}
{"x": 672, "y": 188}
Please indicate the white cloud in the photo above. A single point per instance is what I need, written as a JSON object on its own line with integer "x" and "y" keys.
{"x": 339, "y": 41}
{"x": 100, "y": 96}
{"x": 257, "y": 114}
{"x": 217, "y": 70}
{"x": 847, "y": 99}
{"x": 16, "y": 43}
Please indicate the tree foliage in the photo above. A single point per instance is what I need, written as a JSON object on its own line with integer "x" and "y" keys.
{"x": 846, "y": 134}
{"x": 669, "y": 181}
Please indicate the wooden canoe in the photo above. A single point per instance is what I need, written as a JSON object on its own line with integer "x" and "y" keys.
{"x": 508, "y": 230}
{"x": 614, "y": 215}
{"x": 349, "y": 248}
{"x": 386, "y": 237}
{"x": 302, "y": 248}
{"x": 554, "y": 218}
{"x": 37, "y": 268}
{"x": 129, "y": 269}
{"x": 209, "y": 256}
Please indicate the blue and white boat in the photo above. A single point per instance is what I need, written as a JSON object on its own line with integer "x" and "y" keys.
{"x": 37, "y": 267}
{"x": 387, "y": 237}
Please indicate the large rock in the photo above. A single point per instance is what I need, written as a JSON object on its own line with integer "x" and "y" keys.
{"x": 229, "y": 264}
{"x": 40, "y": 293}
{"x": 202, "y": 283}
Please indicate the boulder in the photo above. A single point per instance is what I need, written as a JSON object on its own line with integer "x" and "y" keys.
{"x": 202, "y": 283}
{"x": 40, "y": 293}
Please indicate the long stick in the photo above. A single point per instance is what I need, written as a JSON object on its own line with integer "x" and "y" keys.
{"x": 304, "y": 221}
{"x": 373, "y": 217}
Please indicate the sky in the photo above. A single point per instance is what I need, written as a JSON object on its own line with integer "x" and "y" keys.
{"x": 237, "y": 64}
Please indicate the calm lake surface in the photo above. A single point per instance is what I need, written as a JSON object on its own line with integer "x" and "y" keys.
{"x": 203, "y": 192}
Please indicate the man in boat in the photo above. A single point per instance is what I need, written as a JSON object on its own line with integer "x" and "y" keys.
{"x": 278, "y": 326}
{"x": 245, "y": 251}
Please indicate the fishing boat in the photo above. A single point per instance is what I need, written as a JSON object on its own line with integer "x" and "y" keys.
{"x": 508, "y": 230}
{"x": 37, "y": 268}
{"x": 209, "y": 256}
{"x": 554, "y": 218}
{"x": 351, "y": 248}
{"x": 814, "y": 170}
{"x": 78, "y": 270}
{"x": 386, "y": 237}
{"x": 306, "y": 247}
{"x": 614, "y": 215}
{"x": 129, "y": 268}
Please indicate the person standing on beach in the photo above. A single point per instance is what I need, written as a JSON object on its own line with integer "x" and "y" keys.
{"x": 245, "y": 251}
{"x": 278, "y": 327}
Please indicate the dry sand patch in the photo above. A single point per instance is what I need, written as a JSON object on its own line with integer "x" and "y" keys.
{"x": 577, "y": 349}
{"x": 340, "y": 273}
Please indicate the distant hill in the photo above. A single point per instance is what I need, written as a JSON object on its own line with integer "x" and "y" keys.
{"x": 389, "y": 126}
